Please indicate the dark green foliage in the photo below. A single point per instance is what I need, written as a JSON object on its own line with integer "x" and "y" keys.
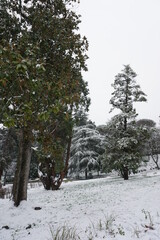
{"x": 146, "y": 123}
{"x": 152, "y": 144}
{"x": 41, "y": 85}
{"x": 41, "y": 64}
{"x": 81, "y": 117}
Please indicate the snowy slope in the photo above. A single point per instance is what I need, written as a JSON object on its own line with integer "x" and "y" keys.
{"x": 108, "y": 208}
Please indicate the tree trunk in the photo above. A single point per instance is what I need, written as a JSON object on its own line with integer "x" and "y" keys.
{"x": 5, "y": 176}
{"x": 1, "y": 172}
{"x": 22, "y": 168}
{"x": 155, "y": 160}
{"x": 49, "y": 174}
{"x": 125, "y": 173}
{"x": 50, "y": 181}
{"x": 86, "y": 174}
{"x": 63, "y": 173}
{"x": 125, "y": 124}
{"x": 157, "y": 166}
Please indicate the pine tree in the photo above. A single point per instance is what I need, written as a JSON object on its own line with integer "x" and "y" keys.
{"x": 126, "y": 92}
{"x": 124, "y": 138}
{"x": 87, "y": 146}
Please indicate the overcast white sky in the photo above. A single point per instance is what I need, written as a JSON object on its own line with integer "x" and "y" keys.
{"x": 122, "y": 32}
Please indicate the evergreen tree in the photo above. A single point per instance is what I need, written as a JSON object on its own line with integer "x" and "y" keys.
{"x": 81, "y": 117}
{"x": 41, "y": 59}
{"x": 87, "y": 146}
{"x": 124, "y": 137}
{"x": 126, "y": 92}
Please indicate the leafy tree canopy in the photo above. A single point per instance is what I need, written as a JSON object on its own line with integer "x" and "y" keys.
{"x": 42, "y": 56}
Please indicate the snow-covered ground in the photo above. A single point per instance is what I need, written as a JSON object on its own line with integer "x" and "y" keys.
{"x": 108, "y": 208}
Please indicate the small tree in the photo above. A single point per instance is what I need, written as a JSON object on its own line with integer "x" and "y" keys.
{"x": 87, "y": 146}
{"x": 123, "y": 148}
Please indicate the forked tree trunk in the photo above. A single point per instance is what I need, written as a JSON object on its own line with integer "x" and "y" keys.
{"x": 157, "y": 165}
{"x": 56, "y": 184}
{"x": 49, "y": 179}
{"x": 155, "y": 159}
{"x": 22, "y": 169}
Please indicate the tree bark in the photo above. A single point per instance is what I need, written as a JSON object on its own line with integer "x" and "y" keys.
{"x": 125, "y": 173}
{"x": 22, "y": 169}
{"x": 1, "y": 172}
{"x": 2, "y": 190}
{"x": 86, "y": 174}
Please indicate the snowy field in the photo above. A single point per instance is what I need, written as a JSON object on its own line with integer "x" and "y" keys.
{"x": 108, "y": 208}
